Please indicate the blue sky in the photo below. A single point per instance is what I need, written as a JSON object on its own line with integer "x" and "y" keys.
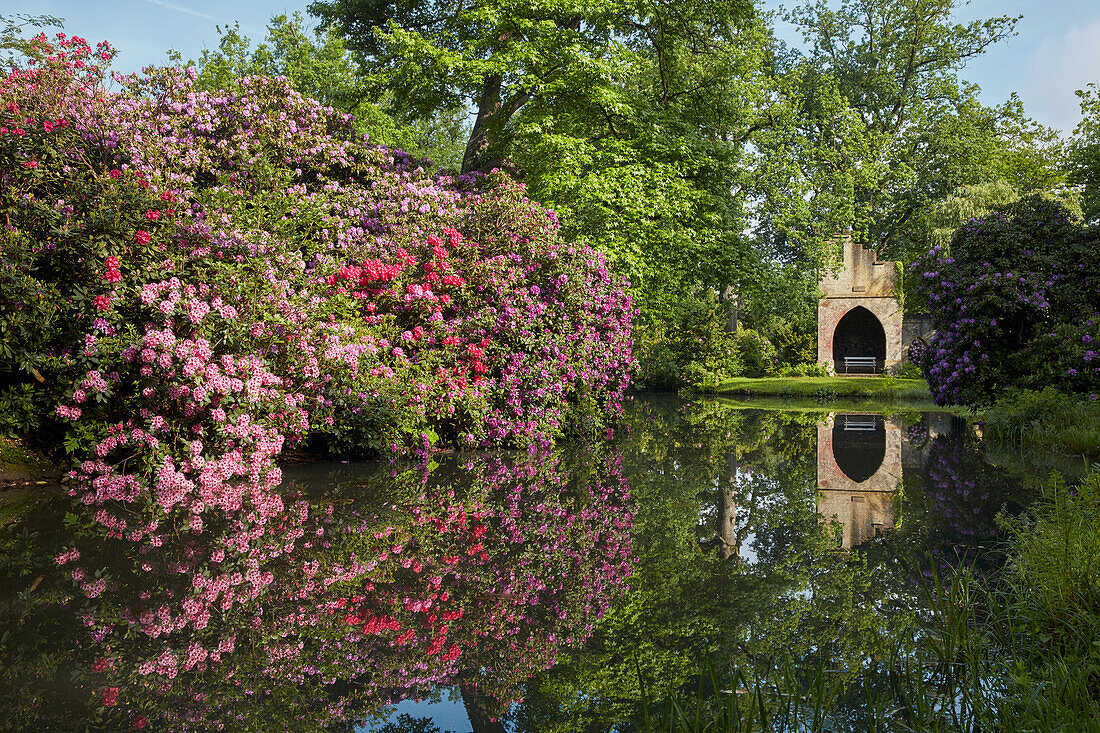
{"x": 1056, "y": 51}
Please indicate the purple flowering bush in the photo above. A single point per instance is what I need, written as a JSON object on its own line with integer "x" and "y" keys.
{"x": 1015, "y": 301}
{"x": 190, "y": 282}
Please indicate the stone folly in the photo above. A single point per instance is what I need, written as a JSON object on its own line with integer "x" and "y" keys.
{"x": 860, "y": 315}
{"x": 861, "y": 460}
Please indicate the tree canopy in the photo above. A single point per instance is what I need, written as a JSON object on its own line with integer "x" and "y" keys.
{"x": 1084, "y": 152}
{"x": 924, "y": 133}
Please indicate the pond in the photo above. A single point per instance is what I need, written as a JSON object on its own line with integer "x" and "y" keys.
{"x": 551, "y": 590}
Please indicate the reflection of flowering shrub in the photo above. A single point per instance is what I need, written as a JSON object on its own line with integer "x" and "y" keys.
{"x": 963, "y": 496}
{"x": 916, "y": 435}
{"x": 476, "y": 573}
{"x": 1014, "y": 303}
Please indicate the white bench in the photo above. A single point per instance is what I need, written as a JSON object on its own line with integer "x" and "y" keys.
{"x": 869, "y": 362}
{"x": 861, "y": 423}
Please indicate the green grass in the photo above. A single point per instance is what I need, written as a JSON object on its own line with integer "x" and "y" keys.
{"x": 799, "y": 404}
{"x": 1048, "y": 420}
{"x": 823, "y": 388}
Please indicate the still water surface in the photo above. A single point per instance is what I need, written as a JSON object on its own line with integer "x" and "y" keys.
{"x": 543, "y": 589}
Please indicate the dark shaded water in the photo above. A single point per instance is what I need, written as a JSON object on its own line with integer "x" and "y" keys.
{"x": 545, "y": 589}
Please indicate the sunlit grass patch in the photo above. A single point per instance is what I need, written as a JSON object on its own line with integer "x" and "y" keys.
{"x": 824, "y": 388}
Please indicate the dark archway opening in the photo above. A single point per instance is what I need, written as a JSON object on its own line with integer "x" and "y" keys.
{"x": 859, "y": 445}
{"x": 859, "y": 334}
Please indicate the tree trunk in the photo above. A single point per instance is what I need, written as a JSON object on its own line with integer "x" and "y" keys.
{"x": 478, "y": 709}
{"x": 733, "y": 308}
{"x": 481, "y": 137}
{"x": 727, "y": 508}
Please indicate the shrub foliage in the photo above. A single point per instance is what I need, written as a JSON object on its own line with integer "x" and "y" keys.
{"x": 1015, "y": 303}
{"x": 164, "y": 247}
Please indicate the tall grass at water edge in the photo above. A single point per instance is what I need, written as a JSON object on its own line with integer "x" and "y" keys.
{"x": 1019, "y": 652}
{"x": 1047, "y": 420}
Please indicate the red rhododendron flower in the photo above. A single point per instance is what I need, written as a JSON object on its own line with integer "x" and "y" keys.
{"x": 102, "y": 302}
{"x": 142, "y": 237}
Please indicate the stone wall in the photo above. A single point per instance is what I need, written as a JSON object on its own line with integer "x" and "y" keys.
{"x": 865, "y": 508}
{"x": 915, "y": 326}
{"x": 886, "y": 309}
{"x": 864, "y": 275}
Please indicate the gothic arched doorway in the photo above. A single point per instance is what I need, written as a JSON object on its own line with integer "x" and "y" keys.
{"x": 859, "y": 445}
{"x": 859, "y": 333}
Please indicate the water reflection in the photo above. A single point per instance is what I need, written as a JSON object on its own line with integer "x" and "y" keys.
{"x": 389, "y": 584}
{"x": 863, "y": 458}
{"x": 546, "y": 588}
{"x": 858, "y": 472}
{"x": 739, "y": 561}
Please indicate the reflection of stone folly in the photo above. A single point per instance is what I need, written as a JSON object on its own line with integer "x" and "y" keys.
{"x": 860, "y": 325}
{"x": 859, "y": 466}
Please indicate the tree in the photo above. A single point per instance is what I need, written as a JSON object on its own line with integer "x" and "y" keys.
{"x": 896, "y": 63}
{"x": 13, "y": 40}
{"x": 975, "y": 202}
{"x": 500, "y": 56}
{"x": 1084, "y": 153}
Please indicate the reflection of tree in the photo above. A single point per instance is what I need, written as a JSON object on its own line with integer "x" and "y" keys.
{"x": 517, "y": 558}
{"x": 475, "y": 574}
{"x": 951, "y": 506}
{"x": 784, "y": 596}
{"x": 726, "y": 530}
{"x": 405, "y": 723}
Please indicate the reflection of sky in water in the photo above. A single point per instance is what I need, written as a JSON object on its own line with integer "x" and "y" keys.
{"x": 448, "y": 714}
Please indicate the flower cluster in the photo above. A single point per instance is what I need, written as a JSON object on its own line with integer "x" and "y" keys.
{"x": 399, "y": 303}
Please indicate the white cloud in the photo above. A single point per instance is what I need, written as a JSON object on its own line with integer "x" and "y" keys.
{"x": 181, "y": 9}
{"x": 1058, "y": 67}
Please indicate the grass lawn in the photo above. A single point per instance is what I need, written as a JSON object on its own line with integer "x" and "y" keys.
{"x": 886, "y": 389}
{"x": 848, "y": 404}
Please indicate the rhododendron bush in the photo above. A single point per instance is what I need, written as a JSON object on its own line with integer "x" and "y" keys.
{"x": 476, "y": 573}
{"x": 1015, "y": 303}
{"x": 190, "y": 281}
